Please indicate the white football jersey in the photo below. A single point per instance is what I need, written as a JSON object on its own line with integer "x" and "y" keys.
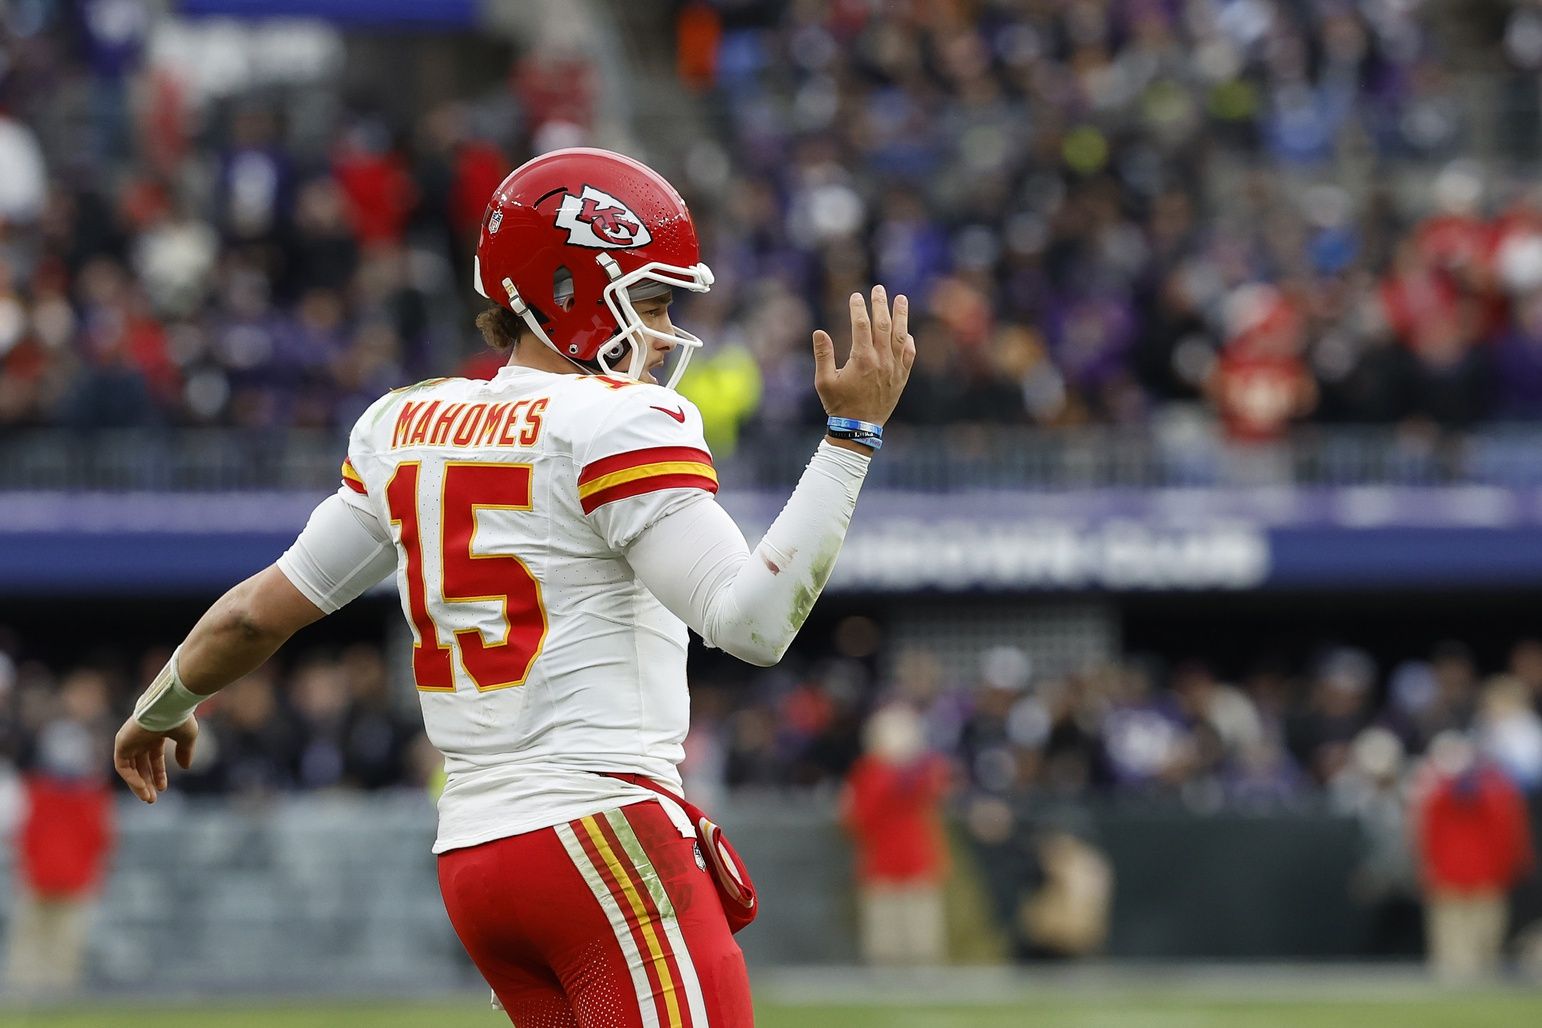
{"x": 539, "y": 657}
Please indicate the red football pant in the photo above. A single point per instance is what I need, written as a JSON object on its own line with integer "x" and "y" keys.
{"x": 604, "y": 922}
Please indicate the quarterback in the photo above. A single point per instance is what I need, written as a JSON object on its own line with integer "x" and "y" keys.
{"x": 553, "y": 532}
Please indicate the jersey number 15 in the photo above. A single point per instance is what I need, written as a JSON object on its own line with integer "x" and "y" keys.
{"x": 468, "y": 577}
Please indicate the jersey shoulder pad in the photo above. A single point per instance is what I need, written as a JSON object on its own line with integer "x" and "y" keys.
{"x": 645, "y": 438}
{"x": 632, "y": 415}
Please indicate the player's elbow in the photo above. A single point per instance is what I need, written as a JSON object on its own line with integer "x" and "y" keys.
{"x": 758, "y": 649}
{"x": 733, "y": 628}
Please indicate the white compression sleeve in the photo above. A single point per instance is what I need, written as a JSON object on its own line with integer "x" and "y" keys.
{"x": 697, "y": 563}
{"x": 341, "y": 552}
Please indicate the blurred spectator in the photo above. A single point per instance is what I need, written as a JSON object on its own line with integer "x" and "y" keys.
{"x": 376, "y": 742}
{"x": 1068, "y": 915}
{"x": 1526, "y": 667}
{"x": 698, "y": 32}
{"x": 65, "y": 838}
{"x": 321, "y": 703}
{"x": 1474, "y": 840}
{"x": 1508, "y": 732}
{"x": 1051, "y": 889}
{"x": 23, "y": 174}
{"x": 1007, "y": 862}
{"x": 892, "y": 806}
{"x": 12, "y": 801}
{"x": 920, "y": 681}
{"x": 1371, "y": 789}
{"x": 255, "y": 179}
{"x": 1453, "y": 700}
{"x": 1001, "y": 739}
{"x": 1518, "y": 360}
{"x": 375, "y": 183}
{"x": 1149, "y": 745}
{"x": 1339, "y": 706}
{"x": 1073, "y": 760}
{"x": 1223, "y": 717}
{"x": 1262, "y": 383}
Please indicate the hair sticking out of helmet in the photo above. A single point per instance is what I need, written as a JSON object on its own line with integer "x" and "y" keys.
{"x": 597, "y": 233}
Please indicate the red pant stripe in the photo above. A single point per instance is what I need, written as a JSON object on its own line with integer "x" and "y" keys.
{"x": 611, "y": 861}
{"x": 675, "y": 951}
{"x": 644, "y": 988}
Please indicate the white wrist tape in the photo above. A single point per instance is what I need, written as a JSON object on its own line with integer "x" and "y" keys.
{"x": 167, "y": 703}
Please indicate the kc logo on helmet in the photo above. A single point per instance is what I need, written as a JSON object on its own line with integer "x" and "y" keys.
{"x": 595, "y": 218}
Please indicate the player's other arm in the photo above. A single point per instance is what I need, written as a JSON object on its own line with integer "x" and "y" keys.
{"x": 241, "y": 630}
{"x": 341, "y": 552}
{"x": 752, "y": 605}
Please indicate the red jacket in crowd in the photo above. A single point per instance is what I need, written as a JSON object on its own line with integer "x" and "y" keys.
{"x": 894, "y": 814}
{"x": 66, "y": 835}
{"x": 1474, "y": 834}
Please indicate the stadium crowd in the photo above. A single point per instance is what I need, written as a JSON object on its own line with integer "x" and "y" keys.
{"x": 1274, "y": 736}
{"x": 1102, "y": 208}
{"x": 1014, "y": 755}
{"x": 1110, "y": 207}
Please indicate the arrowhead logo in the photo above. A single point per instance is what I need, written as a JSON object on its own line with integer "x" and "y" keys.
{"x": 597, "y": 219}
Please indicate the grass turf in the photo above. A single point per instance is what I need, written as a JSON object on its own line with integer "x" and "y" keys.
{"x": 1165, "y": 1010}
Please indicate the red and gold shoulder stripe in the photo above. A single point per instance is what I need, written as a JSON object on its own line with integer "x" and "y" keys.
{"x": 644, "y": 471}
{"x": 351, "y": 478}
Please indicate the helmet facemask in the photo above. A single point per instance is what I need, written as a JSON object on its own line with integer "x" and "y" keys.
{"x": 620, "y": 296}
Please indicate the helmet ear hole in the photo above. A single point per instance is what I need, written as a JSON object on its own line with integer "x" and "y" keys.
{"x": 562, "y": 288}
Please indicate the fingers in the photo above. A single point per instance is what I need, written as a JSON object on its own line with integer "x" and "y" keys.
{"x": 881, "y": 324}
{"x": 861, "y": 328}
{"x": 146, "y": 769}
{"x": 824, "y": 359}
{"x": 158, "y": 766}
{"x": 908, "y": 355}
{"x": 134, "y": 768}
{"x": 899, "y": 336}
{"x": 124, "y": 764}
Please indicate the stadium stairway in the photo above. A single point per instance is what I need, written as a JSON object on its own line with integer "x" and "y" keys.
{"x": 666, "y": 120}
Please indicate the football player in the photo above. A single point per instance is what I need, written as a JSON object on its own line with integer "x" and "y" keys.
{"x": 553, "y": 531}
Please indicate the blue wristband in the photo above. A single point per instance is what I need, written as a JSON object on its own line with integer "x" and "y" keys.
{"x": 864, "y": 432}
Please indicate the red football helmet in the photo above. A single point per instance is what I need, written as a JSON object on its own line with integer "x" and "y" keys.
{"x": 572, "y": 237}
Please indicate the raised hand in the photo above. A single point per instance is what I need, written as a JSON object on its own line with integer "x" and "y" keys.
{"x": 882, "y": 352}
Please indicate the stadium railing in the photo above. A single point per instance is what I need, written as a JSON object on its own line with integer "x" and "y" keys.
{"x": 918, "y": 459}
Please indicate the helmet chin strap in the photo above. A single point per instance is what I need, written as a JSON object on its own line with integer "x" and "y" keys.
{"x": 525, "y": 313}
{"x": 633, "y": 332}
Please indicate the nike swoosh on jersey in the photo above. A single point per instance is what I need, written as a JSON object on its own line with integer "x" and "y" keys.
{"x": 678, "y": 415}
